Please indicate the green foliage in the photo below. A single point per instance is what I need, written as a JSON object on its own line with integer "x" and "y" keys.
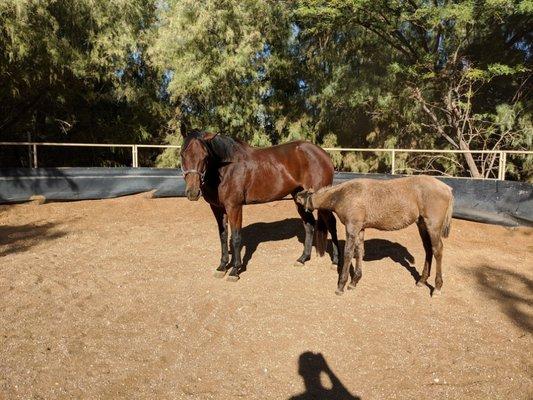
{"x": 350, "y": 73}
{"x": 75, "y": 70}
{"x": 221, "y": 54}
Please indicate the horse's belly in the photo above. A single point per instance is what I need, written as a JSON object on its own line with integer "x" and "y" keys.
{"x": 265, "y": 195}
{"x": 391, "y": 220}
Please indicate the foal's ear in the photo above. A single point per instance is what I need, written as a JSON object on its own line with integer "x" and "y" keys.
{"x": 209, "y": 136}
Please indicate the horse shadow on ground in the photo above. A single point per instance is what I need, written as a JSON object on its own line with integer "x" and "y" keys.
{"x": 378, "y": 249}
{"x": 375, "y": 249}
{"x": 259, "y": 232}
{"x": 310, "y": 367}
{"x": 513, "y": 292}
{"x": 17, "y": 239}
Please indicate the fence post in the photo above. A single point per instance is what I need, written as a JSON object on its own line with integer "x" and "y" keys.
{"x": 35, "y": 165}
{"x": 393, "y": 162}
{"x": 502, "y": 165}
{"x": 133, "y": 156}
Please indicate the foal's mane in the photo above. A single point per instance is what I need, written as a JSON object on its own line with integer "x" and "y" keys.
{"x": 220, "y": 147}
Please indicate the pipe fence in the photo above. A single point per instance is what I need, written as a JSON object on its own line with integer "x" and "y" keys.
{"x": 501, "y": 154}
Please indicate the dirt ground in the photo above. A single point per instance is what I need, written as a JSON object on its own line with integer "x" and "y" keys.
{"x": 116, "y": 299}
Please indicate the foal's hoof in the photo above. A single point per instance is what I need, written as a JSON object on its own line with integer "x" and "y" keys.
{"x": 339, "y": 292}
{"x": 219, "y": 274}
{"x": 232, "y": 278}
{"x": 351, "y": 286}
{"x": 298, "y": 264}
{"x": 436, "y": 293}
{"x": 421, "y": 284}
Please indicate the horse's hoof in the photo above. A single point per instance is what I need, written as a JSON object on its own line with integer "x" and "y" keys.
{"x": 232, "y": 278}
{"x": 436, "y": 292}
{"x": 298, "y": 264}
{"x": 334, "y": 267}
{"x": 219, "y": 274}
{"x": 351, "y": 286}
{"x": 339, "y": 292}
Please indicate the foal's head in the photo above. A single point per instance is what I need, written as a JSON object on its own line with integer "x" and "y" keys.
{"x": 194, "y": 158}
{"x": 304, "y": 198}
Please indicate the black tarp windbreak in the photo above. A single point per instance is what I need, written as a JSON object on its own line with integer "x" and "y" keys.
{"x": 490, "y": 201}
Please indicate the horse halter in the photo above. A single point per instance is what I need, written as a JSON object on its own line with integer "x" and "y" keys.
{"x": 308, "y": 203}
{"x": 194, "y": 171}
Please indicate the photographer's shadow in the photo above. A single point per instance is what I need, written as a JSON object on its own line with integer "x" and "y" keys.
{"x": 310, "y": 367}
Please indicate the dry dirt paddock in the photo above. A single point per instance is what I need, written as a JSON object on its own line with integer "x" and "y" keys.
{"x": 116, "y": 299}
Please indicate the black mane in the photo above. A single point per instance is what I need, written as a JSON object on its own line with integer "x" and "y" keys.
{"x": 222, "y": 148}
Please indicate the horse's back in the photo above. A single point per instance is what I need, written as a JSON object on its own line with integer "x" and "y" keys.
{"x": 306, "y": 163}
{"x": 287, "y": 168}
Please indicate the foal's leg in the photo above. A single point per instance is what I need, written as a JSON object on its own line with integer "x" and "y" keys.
{"x": 359, "y": 254}
{"x": 222, "y": 221}
{"x": 331, "y": 223}
{"x": 309, "y": 226}
{"x": 436, "y": 243}
{"x": 352, "y": 240}
{"x": 426, "y": 241}
{"x": 235, "y": 221}
{"x": 434, "y": 231}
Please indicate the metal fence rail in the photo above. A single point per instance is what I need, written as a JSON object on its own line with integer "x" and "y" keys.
{"x": 502, "y": 154}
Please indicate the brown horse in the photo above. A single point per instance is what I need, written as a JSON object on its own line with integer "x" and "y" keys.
{"x": 387, "y": 206}
{"x": 229, "y": 173}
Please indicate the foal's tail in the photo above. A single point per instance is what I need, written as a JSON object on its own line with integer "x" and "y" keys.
{"x": 321, "y": 233}
{"x": 447, "y": 226}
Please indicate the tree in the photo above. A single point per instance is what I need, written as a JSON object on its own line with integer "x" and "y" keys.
{"x": 436, "y": 54}
{"x": 76, "y": 70}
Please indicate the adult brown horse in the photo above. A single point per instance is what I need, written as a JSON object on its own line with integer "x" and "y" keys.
{"x": 230, "y": 173}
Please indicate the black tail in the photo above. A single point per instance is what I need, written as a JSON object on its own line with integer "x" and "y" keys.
{"x": 321, "y": 233}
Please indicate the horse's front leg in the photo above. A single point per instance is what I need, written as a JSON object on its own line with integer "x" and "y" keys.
{"x": 222, "y": 222}
{"x": 359, "y": 254}
{"x": 235, "y": 222}
{"x": 352, "y": 241}
{"x": 309, "y": 226}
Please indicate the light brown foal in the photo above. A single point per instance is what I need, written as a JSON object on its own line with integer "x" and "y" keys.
{"x": 387, "y": 205}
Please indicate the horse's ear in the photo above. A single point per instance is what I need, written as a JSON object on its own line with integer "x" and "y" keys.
{"x": 184, "y": 129}
{"x": 209, "y": 136}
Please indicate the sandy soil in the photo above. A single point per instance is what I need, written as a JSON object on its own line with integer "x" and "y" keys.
{"x": 117, "y": 299}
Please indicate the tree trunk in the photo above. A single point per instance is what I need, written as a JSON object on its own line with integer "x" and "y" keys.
{"x": 472, "y": 167}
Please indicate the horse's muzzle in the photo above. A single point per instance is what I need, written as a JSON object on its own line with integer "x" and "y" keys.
{"x": 193, "y": 195}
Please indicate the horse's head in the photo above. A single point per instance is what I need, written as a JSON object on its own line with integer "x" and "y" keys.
{"x": 304, "y": 198}
{"x": 194, "y": 162}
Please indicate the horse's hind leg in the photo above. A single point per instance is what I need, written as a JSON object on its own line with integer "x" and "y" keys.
{"x": 331, "y": 224}
{"x": 434, "y": 231}
{"x": 426, "y": 241}
{"x": 437, "y": 252}
{"x": 309, "y": 226}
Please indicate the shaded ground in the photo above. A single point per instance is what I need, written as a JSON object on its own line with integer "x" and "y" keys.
{"x": 116, "y": 299}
